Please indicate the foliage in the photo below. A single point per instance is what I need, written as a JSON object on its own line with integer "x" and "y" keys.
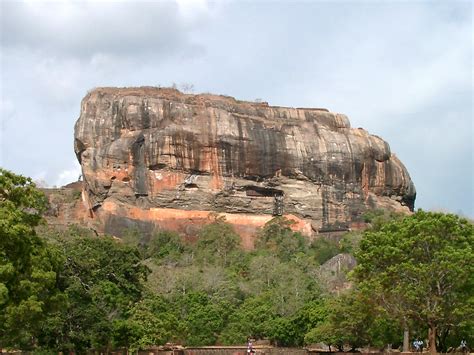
{"x": 324, "y": 249}
{"x": 201, "y": 318}
{"x": 250, "y": 319}
{"x": 217, "y": 241}
{"x": 355, "y": 321}
{"x": 306, "y": 318}
{"x": 70, "y": 290}
{"x": 278, "y": 237}
{"x": 28, "y": 269}
{"x": 150, "y": 321}
{"x": 420, "y": 269}
{"x": 101, "y": 279}
{"x": 166, "y": 247}
{"x": 289, "y": 285}
{"x": 190, "y": 319}
{"x": 376, "y": 219}
{"x": 350, "y": 241}
{"x": 265, "y": 294}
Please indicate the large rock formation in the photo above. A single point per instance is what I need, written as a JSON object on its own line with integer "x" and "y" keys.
{"x": 157, "y": 157}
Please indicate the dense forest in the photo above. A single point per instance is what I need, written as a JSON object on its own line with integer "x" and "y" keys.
{"x": 63, "y": 290}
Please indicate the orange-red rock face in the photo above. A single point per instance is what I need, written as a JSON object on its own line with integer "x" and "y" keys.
{"x": 189, "y": 222}
{"x": 157, "y": 157}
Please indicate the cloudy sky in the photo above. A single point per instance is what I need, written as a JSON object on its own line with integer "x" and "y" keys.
{"x": 400, "y": 69}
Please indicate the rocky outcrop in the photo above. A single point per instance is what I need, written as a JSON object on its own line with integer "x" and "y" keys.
{"x": 168, "y": 159}
{"x": 333, "y": 273}
{"x": 66, "y": 207}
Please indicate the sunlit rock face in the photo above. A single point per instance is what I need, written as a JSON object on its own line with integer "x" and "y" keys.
{"x": 166, "y": 159}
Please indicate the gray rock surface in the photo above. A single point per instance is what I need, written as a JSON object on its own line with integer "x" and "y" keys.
{"x": 333, "y": 273}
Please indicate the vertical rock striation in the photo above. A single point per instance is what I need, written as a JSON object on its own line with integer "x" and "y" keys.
{"x": 167, "y": 159}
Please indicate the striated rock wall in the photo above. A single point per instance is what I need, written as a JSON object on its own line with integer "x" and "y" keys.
{"x": 168, "y": 159}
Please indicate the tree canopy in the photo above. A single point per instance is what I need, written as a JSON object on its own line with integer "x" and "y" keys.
{"x": 420, "y": 269}
{"x": 70, "y": 290}
{"x": 28, "y": 269}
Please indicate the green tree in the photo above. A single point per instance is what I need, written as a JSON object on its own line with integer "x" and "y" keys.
{"x": 346, "y": 324}
{"x": 252, "y": 318}
{"x": 217, "y": 241}
{"x": 166, "y": 247}
{"x": 353, "y": 320}
{"x": 151, "y": 321}
{"x": 289, "y": 284}
{"x": 420, "y": 270}
{"x": 278, "y": 237}
{"x": 308, "y": 317}
{"x": 201, "y": 318}
{"x": 28, "y": 268}
{"x": 376, "y": 219}
{"x": 102, "y": 279}
{"x": 291, "y": 330}
{"x": 282, "y": 331}
{"x": 324, "y": 249}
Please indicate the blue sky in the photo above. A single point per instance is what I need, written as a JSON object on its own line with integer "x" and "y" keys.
{"x": 400, "y": 69}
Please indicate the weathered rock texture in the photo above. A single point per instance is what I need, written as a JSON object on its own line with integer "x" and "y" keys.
{"x": 66, "y": 206}
{"x": 158, "y": 157}
{"x": 333, "y": 273}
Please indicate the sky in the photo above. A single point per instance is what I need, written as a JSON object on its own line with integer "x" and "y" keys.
{"x": 402, "y": 70}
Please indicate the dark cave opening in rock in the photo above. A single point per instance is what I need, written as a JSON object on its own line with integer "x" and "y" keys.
{"x": 257, "y": 191}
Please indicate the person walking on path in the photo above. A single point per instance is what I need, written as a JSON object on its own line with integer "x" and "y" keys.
{"x": 250, "y": 349}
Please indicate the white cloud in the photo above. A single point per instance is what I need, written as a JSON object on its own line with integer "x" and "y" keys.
{"x": 69, "y": 175}
{"x": 39, "y": 179}
{"x": 85, "y": 28}
{"x": 7, "y": 112}
{"x": 195, "y": 10}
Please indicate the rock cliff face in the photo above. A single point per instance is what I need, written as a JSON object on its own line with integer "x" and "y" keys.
{"x": 155, "y": 157}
